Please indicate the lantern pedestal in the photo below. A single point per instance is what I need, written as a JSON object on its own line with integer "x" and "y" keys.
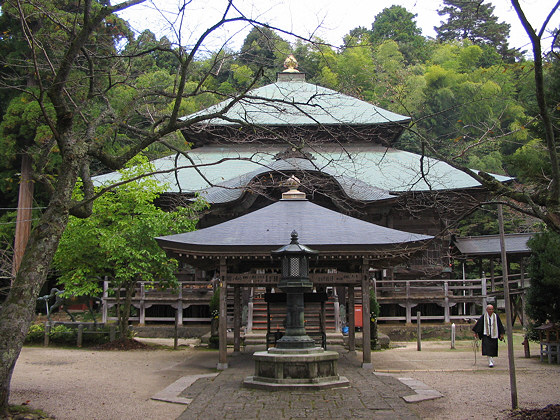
{"x": 312, "y": 368}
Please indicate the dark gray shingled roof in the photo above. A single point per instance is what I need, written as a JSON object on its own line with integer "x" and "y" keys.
{"x": 516, "y": 243}
{"x": 234, "y": 188}
{"x": 271, "y": 226}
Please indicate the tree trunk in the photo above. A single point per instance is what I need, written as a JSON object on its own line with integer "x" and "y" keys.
{"x": 18, "y": 310}
{"x": 124, "y": 313}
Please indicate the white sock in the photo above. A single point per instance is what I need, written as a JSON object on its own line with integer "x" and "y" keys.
{"x": 490, "y": 361}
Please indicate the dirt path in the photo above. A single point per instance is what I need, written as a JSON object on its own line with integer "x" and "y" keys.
{"x": 104, "y": 385}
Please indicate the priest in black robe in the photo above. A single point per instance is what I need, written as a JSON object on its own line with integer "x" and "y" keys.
{"x": 489, "y": 329}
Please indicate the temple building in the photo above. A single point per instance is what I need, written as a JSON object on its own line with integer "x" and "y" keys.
{"x": 377, "y": 215}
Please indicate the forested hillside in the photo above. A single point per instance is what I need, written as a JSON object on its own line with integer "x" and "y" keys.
{"x": 471, "y": 97}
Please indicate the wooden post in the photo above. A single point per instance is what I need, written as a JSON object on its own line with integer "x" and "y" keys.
{"x": 176, "y": 331}
{"x": 366, "y": 330}
{"x": 142, "y": 315}
{"x": 80, "y": 338}
{"x": 336, "y": 306}
{"x": 453, "y": 336}
{"x": 351, "y": 323}
{"x": 47, "y": 332}
{"x": 446, "y": 303}
{"x": 180, "y": 305}
{"x": 104, "y": 301}
{"x": 507, "y": 302}
{"x": 222, "y": 331}
{"x": 250, "y": 310}
{"x": 236, "y": 318}
{"x": 492, "y": 280}
{"x": 484, "y": 293}
{"x": 418, "y": 332}
{"x": 408, "y": 305}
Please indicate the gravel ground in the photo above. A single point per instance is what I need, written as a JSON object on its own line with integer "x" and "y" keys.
{"x": 472, "y": 391}
{"x": 88, "y": 384}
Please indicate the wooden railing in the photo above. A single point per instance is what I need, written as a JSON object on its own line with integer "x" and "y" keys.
{"x": 445, "y": 292}
{"x": 147, "y": 294}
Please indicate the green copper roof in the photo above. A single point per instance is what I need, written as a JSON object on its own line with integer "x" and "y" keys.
{"x": 355, "y": 165}
{"x": 299, "y": 103}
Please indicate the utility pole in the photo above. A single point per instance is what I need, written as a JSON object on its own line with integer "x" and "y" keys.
{"x": 24, "y": 213}
{"x": 509, "y": 326}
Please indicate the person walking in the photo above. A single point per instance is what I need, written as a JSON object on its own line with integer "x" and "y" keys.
{"x": 489, "y": 329}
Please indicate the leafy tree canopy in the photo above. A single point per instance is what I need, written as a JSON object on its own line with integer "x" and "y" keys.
{"x": 117, "y": 240}
{"x": 473, "y": 20}
{"x": 543, "y": 297}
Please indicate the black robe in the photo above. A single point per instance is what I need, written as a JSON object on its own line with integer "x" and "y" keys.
{"x": 489, "y": 344}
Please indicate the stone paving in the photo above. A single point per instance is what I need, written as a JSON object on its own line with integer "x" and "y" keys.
{"x": 369, "y": 396}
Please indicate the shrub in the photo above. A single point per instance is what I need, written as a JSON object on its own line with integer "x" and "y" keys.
{"x": 61, "y": 334}
{"x": 36, "y": 334}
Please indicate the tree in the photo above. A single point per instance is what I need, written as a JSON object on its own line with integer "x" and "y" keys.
{"x": 541, "y": 198}
{"x": 473, "y": 20}
{"x": 117, "y": 241}
{"x": 543, "y": 296}
{"x": 398, "y": 24}
{"x": 82, "y": 74}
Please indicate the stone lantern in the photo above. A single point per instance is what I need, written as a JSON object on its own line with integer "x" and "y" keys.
{"x": 296, "y": 362}
{"x": 295, "y": 282}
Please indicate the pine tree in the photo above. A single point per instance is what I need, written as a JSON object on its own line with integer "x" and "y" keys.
{"x": 473, "y": 20}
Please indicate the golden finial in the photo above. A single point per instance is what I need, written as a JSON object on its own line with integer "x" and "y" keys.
{"x": 291, "y": 64}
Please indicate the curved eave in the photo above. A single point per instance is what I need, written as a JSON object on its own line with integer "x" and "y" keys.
{"x": 235, "y": 189}
{"x": 325, "y": 251}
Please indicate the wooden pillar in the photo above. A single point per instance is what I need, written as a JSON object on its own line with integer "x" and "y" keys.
{"x": 484, "y": 293}
{"x": 236, "y": 318}
{"x": 525, "y": 320}
{"x": 142, "y": 309}
{"x": 336, "y": 305}
{"x": 250, "y": 310}
{"x": 180, "y": 305}
{"x": 104, "y": 301}
{"x": 446, "y": 317}
{"x": 351, "y": 323}
{"x": 408, "y": 305}
{"x": 222, "y": 330}
{"x": 492, "y": 280}
{"x": 366, "y": 332}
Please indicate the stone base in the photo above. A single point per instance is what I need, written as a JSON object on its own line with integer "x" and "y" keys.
{"x": 278, "y": 369}
{"x": 251, "y": 382}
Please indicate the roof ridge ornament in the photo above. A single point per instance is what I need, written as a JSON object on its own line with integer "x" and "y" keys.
{"x": 290, "y": 72}
{"x": 293, "y": 193}
{"x": 291, "y": 64}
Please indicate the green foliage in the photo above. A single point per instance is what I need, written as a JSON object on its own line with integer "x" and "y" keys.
{"x": 398, "y": 24}
{"x": 68, "y": 336}
{"x": 117, "y": 240}
{"x": 215, "y": 303}
{"x": 36, "y": 334}
{"x": 543, "y": 296}
{"x": 473, "y": 20}
{"x": 374, "y": 306}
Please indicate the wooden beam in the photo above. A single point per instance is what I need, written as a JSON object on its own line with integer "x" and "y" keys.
{"x": 222, "y": 329}
{"x": 351, "y": 323}
{"x": 366, "y": 332}
{"x": 237, "y": 318}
